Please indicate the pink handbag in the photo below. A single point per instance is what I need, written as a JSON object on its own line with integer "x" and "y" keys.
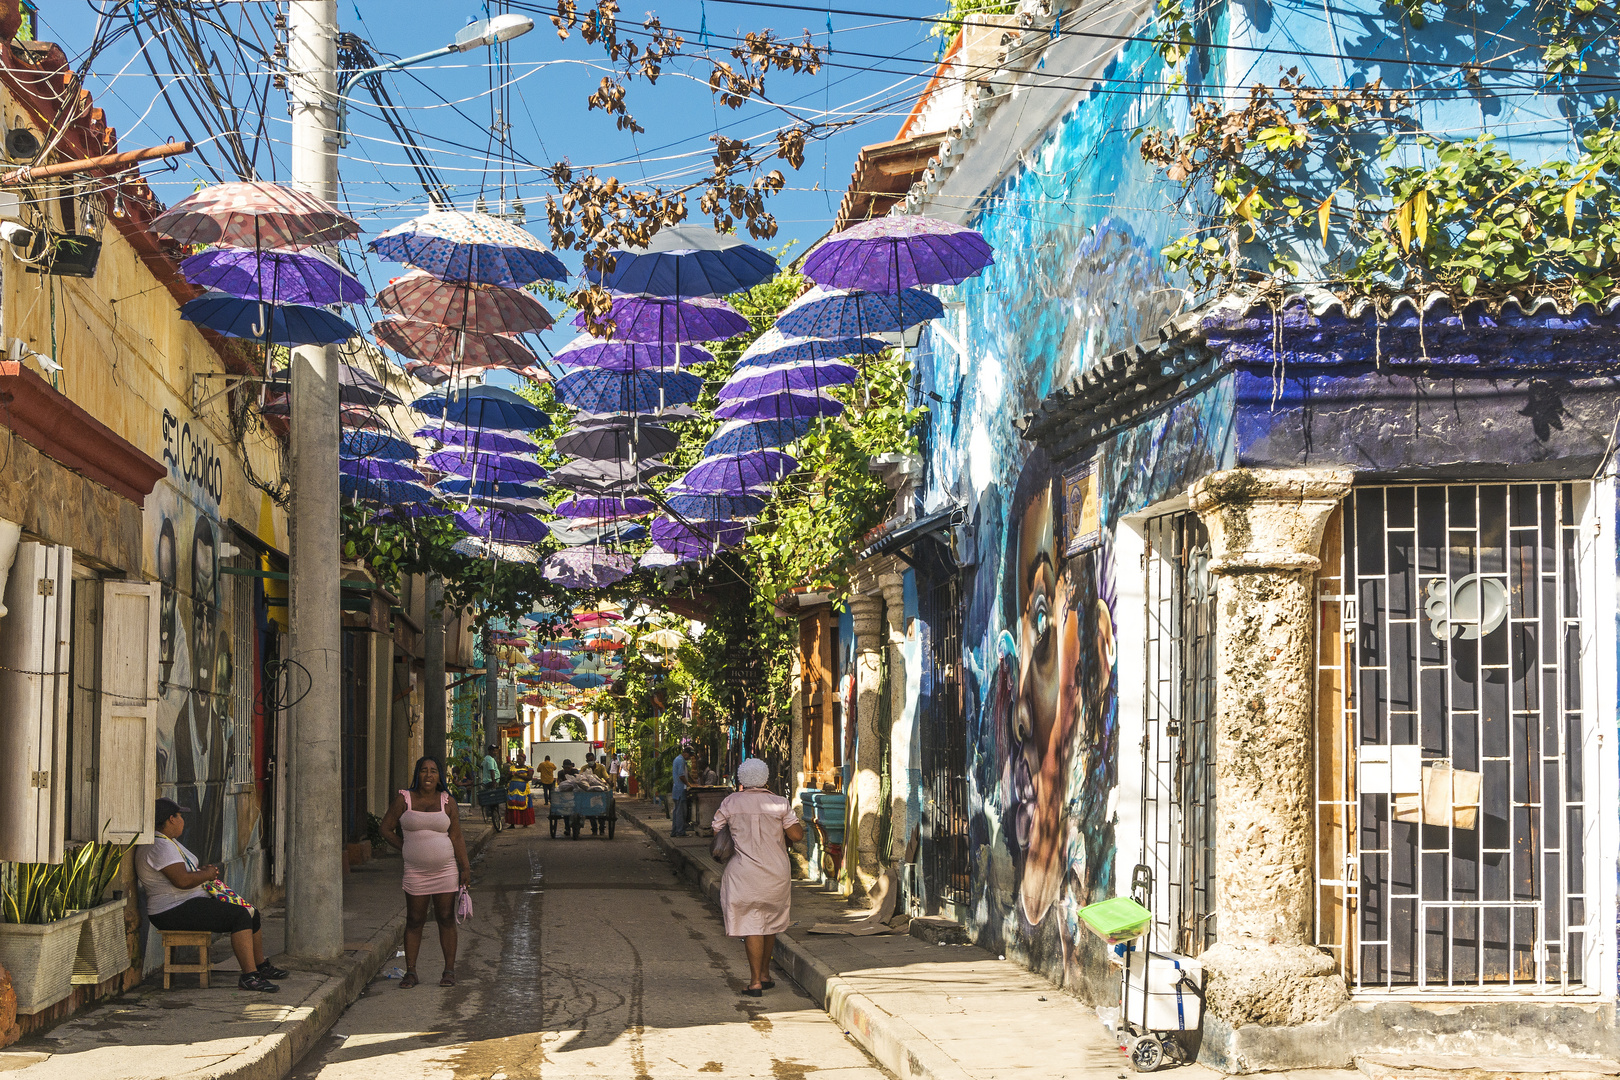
{"x": 463, "y": 905}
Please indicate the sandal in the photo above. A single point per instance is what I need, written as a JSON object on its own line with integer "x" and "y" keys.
{"x": 409, "y": 980}
{"x": 755, "y": 991}
{"x": 252, "y": 980}
{"x": 448, "y": 978}
{"x": 768, "y": 984}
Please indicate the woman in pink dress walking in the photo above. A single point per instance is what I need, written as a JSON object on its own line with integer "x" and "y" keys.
{"x": 424, "y": 824}
{"x": 757, "y": 888}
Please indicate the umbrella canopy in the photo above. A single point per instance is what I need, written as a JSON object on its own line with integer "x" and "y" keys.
{"x": 588, "y": 351}
{"x": 738, "y": 474}
{"x": 597, "y": 532}
{"x": 698, "y": 546}
{"x": 499, "y": 550}
{"x": 587, "y": 680}
{"x": 586, "y": 566}
{"x": 607, "y": 474}
{"x": 687, "y": 260}
{"x": 836, "y": 313}
{"x": 666, "y": 532}
{"x": 891, "y": 253}
{"x": 656, "y": 558}
{"x": 392, "y": 492}
{"x": 279, "y": 277}
{"x": 511, "y": 496}
{"x": 596, "y": 390}
{"x": 757, "y": 382}
{"x": 614, "y": 441}
{"x": 698, "y": 507}
{"x": 483, "y": 407}
{"x": 486, "y": 309}
{"x": 425, "y": 372}
{"x": 356, "y": 386}
{"x": 774, "y": 347}
{"x": 375, "y": 444}
{"x": 491, "y": 442}
{"x": 780, "y": 407}
{"x": 254, "y": 214}
{"x": 740, "y": 436}
{"x": 361, "y": 416}
{"x": 551, "y": 659}
{"x": 474, "y": 248}
{"x": 450, "y": 347}
{"x": 477, "y": 465}
{"x": 506, "y": 526}
{"x": 605, "y": 508}
{"x": 378, "y": 469}
{"x": 661, "y": 319}
{"x": 412, "y": 510}
{"x": 276, "y": 324}
{"x": 665, "y": 638}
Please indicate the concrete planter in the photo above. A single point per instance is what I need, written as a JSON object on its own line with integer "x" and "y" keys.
{"x": 40, "y": 960}
{"x": 103, "y": 945}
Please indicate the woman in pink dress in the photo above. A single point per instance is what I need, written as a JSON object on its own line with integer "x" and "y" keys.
{"x": 424, "y": 824}
{"x": 756, "y": 890}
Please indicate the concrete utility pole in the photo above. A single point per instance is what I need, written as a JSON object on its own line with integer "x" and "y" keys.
{"x": 433, "y": 688}
{"x": 315, "y": 828}
{"x": 492, "y": 722}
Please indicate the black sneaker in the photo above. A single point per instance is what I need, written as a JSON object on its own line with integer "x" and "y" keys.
{"x": 254, "y": 981}
{"x": 270, "y": 971}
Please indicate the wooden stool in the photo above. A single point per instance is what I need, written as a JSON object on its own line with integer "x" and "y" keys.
{"x": 180, "y": 939}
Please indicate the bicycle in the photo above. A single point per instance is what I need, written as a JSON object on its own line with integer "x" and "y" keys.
{"x": 493, "y": 801}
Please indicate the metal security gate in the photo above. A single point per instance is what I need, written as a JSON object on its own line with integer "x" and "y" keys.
{"x": 944, "y": 849}
{"x": 1453, "y": 746}
{"x": 1177, "y": 869}
{"x": 356, "y": 742}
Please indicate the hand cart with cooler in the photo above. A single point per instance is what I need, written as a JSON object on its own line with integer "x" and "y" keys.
{"x": 573, "y": 807}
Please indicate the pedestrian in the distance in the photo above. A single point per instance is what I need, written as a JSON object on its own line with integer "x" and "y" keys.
{"x": 677, "y": 794}
{"x": 756, "y": 891}
{"x": 546, "y": 773}
{"x": 520, "y": 793}
{"x": 425, "y": 824}
{"x": 624, "y": 774}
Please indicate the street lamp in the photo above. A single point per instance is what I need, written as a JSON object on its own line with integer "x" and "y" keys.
{"x": 475, "y": 35}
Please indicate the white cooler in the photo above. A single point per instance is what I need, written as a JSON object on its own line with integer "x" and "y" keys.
{"x": 1157, "y": 994}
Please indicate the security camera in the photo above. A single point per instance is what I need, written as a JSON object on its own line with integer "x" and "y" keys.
{"x": 15, "y": 234}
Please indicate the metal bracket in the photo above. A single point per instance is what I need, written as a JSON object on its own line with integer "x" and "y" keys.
{"x": 232, "y": 381}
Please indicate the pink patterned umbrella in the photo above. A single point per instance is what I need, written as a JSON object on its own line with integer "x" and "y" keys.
{"x": 432, "y": 374}
{"x": 448, "y": 346}
{"x": 487, "y": 309}
{"x": 255, "y": 214}
{"x": 552, "y": 660}
{"x": 587, "y": 566}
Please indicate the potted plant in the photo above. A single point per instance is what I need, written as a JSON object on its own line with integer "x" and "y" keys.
{"x": 39, "y": 939}
{"x": 87, "y": 874}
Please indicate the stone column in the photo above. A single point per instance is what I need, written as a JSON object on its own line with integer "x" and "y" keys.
{"x": 1265, "y": 529}
{"x": 894, "y": 612}
{"x": 868, "y": 787}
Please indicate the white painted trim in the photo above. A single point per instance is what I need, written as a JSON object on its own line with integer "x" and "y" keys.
{"x": 1130, "y": 630}
{"x": 1599, "y": 673}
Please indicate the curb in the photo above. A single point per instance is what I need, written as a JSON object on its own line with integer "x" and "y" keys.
{"x": 897, "y": 1046}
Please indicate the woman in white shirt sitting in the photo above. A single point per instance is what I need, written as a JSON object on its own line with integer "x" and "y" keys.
{"x": 178, "y": 898}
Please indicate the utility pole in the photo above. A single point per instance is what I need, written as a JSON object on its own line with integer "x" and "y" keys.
{"x": 492, "y": 722}
{"x": 315, "y": 828}
{"x": 433, "y": 688}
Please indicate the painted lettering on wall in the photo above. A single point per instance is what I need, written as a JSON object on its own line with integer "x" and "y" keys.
{"x": 192, "y": 456}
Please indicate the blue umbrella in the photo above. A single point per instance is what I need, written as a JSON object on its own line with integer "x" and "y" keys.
{"x": 393, "y": 492}
{"x": 483, "y": 407}
{"x": 774, "y": 347}
{"x": 780, "y": 407}
{"x": 754, "y": 382}
{"x": 472, "y": 248}
{"x": 588, "y": 681}
{"x": 738, "y": 474}
{"x": 599, "y": 391}
{"x": 493, "y": 442}
{"x": 373, "y": 468}
{"x": 278, "y": 277}
{"x": 375, "y": 444}
{"x": 687, "y": 260}
{"x": 738, "y": 436}
{"x": 588, "y": 351}
{"x": 277, "y": 324}
{"x": 504, "y": 526}
{"x": 699, "y": 507}
{"x": 832, "y": 313}
{"x": 498, "y": 467}
{"x": 495, "y": 491}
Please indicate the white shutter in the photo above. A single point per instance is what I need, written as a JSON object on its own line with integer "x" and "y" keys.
{"x": 34, "y": 639}
{"x": 126, "y": 776}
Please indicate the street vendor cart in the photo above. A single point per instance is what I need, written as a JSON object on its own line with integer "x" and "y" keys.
{"x": 573, "y": 807}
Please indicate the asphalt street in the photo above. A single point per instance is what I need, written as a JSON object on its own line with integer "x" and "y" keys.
{"x": 584, "y": 959}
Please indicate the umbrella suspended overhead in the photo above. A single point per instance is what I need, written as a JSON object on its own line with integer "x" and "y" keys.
{"x": 600, "y": 532}
{"x": 275, "y": 324}
{"x": 587, "y": 351}
{"x": 774, "y": 347}
{"x": 687, "y": 260}
{"x": 486, "y": 309}
{"x": 614, "y": 440}
{"x": 551, "y": 659}
{"x": 605, "y": 508}
{"x": 505, "y": 526}
{"x": 277, "y": 277}
{"x": 472, "y": 248}
{"x": 583, "y": 567}
{"x": 740, "y": 436}
{"x": 668, "y": 533}
{"x": 666, "y": 638}
{"x": 758, "y": 382}
{"x": 375, "y": 444}
{"x": 355, "y": 386}
{"x": 588, "y": 681}
{"x": 392, "y": 492}
{"x": 449, "y": 346}
{"x": 698, "y": 507}
{"x": 429, "y": 373}
{"x": 738, "y": 474}
{"x": 499, "y": 550}
{"x": 502, "y": 468}
{"x": 483, "y": 407}
{"x": 663, "y": 319}
{"x": 781, "y": 407}
{"x": 618, "y": 476}
{"x": 891, "y": 253}
{"x": 599, "y": 391}
{"x": 254, "y": 214}
{"x": 361, "y": 416}
{"x": 656, "y": 558}
{"x": 489, "y": 442}
{"x": 836, "y": 313}
{"x": 378, "y": 469}
{"x": 515, "y": 495}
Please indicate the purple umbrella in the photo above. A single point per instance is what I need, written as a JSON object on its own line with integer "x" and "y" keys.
{"x": 656, "y": 558}
{"x": 665, "y": 530}
{"x": 598, "y": 391}
{"x": 891, "y": 253}
{"x": 781, "y": 407}
{"x": 755, "y": 382}
{"x": 503, "y": 526}
{"x": 377, "y": 469}
{"x": 664, "y": 319}
{"x": 489, "y": 442}
{"x": 773, "y": 348}
{"x": 276, "y": 277}
{"x": 738, "y": 474}
{"x": 620, "y": 506}
{"x": 586, "y": 567}
{"x": 587, "y": 351}
{"x": 482, "y": 466}
{"x": 831, "y": 313}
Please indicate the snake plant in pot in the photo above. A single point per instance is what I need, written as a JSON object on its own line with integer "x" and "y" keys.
{"x": 58, "y": 927}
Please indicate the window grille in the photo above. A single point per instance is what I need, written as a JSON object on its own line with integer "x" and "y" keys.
{"x": 1453, "y": 747}
{"x": 244, "y": 663}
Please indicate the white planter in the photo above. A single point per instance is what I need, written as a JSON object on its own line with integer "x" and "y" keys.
{"x": 40, "y": 960}
{"x": 103, "y": 945}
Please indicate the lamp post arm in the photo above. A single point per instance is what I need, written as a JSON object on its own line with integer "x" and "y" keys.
{"x": 393, "y": 65}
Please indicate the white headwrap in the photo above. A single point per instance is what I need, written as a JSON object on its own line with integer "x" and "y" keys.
{"x": 753, "y": 773}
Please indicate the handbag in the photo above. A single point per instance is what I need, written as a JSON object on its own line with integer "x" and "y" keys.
{"x": 722, "y": 848}
{"x": 216, "y": 889}
{"x": 463, "y": 905}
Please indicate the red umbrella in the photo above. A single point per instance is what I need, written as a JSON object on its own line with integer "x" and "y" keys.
{"x": 255, "y": 214}
{"x": 553, "y": 676}
{"x": 488, "y": 309}
{"x": 449, "y": 345}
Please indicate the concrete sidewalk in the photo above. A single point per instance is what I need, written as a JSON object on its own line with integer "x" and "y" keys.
{"x": 188, "y": 1033}
{"x": 940, "y": 1012}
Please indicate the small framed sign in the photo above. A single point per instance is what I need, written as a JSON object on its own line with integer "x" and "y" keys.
{"x": 1082, "y": 516}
